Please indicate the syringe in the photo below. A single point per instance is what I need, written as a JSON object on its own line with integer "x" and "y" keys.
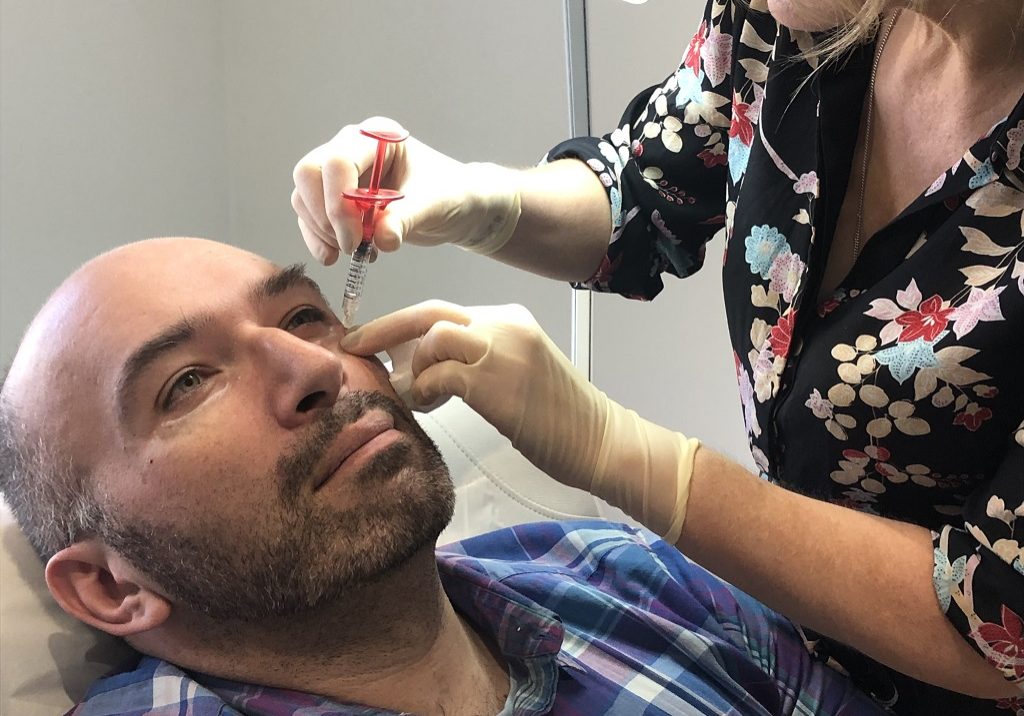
{"x": 368, "y": 199}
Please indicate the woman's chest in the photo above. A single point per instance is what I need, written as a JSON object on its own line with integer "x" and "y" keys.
{"x": 920, "y": 350}
{"x": 907, "y": 380}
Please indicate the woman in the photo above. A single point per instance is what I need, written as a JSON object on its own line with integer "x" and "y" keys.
{"x": 874, "y": 280}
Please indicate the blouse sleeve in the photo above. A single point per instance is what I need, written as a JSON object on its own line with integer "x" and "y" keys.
{"x": 665, "y": 166}
{"x": 979, "y": 570}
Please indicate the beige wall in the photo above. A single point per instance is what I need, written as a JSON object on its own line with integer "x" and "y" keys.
{"x": 670, "y": 359}
{"x": 121, "y": 119}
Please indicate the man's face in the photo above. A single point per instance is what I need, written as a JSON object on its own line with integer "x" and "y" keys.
{"x": 244, "y": 463}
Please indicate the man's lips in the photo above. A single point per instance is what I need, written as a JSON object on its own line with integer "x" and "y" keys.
{"x": 353, "y": 437}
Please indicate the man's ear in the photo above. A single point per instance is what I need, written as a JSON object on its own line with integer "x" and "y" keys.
{"x": 96, "y": 586}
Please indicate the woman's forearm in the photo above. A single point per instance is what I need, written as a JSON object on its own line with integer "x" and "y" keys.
{"x": 565, "y": 223}
{"x": 861, "y": 579}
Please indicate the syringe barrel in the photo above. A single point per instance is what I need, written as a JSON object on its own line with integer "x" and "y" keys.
{"x": 357, "y": 270}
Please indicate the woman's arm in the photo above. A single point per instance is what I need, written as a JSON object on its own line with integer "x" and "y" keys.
{"x": 861, "y": 579}
{"x": 564, "y": 228}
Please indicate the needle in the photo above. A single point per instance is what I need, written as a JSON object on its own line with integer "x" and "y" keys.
{"x": 368, "y": 200}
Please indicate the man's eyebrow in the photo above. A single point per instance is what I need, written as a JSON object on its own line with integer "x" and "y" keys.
{"x": 185, "y": 330}
{"x": 284, "y": 280}
{"x": 152, "y": 350}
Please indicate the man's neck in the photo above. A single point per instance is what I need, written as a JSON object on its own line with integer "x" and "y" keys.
{"x": 396, "y": 644}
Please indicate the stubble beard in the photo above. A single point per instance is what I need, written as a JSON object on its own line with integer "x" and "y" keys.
{"x": 301, "y": 553}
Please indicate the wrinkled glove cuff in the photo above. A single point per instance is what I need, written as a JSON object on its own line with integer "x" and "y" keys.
{"x": 500, "y": 206}
{"x": 645, "y": 470}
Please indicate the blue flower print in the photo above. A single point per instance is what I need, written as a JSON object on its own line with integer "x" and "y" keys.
{"x": 985, "y": 174}
{"x": 904, "y": 359}
{"x": 763, "y": 245}
{"x": 739, "y": 157}
{"x": 946, "y": 574}
{"x": 616, "y": 198}
{"x": 690, "y": 87}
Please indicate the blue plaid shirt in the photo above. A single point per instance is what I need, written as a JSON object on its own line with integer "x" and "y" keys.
{"x": 593, "y": 618}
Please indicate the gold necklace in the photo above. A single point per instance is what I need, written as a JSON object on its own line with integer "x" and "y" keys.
{"x": 867, "y": 132}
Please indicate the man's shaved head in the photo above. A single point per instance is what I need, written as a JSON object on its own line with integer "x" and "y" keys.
{"x": 186, "y": 404}
{"x": 44, "y": 478}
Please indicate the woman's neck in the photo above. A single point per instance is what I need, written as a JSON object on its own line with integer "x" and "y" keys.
{"x": 984, "y": 37}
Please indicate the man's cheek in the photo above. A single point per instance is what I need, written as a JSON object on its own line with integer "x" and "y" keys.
{"x": 377, "y": 376}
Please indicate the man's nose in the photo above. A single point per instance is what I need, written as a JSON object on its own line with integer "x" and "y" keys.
{"x": 303, "y": 378}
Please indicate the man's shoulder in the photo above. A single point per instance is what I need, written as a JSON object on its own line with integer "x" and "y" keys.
{"x": 535, "y": 539}
{"x": 154, "y": 688}
{"x": 557, "y": 549}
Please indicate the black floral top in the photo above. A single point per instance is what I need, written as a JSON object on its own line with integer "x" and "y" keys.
{"x": 900, "y": 395}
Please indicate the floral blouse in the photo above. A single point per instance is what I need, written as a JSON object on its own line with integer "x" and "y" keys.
{"x": 903, "y": 393}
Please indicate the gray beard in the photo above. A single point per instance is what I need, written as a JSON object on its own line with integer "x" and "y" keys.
{"x": 298, "y": 555}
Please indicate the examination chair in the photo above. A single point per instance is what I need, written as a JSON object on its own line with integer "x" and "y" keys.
{"x": 48, "y": 660}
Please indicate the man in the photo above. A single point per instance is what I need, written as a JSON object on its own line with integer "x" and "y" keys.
{"x": 210, "y": 477}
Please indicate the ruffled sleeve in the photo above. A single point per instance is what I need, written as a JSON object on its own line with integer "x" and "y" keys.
{"x": 979, "y": 569}
{"x": 665, "y": 166}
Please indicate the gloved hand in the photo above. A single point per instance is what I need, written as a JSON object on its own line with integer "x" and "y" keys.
{"x": 500, "y": 362}
{"x": 475, "y": 206}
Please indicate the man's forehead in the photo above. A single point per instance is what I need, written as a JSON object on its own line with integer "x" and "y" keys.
{"x": 113, "y": 302}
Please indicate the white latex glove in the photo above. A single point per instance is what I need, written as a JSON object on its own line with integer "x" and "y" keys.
{"x": 500, "y": 362}
{"x": 475, "y": 206}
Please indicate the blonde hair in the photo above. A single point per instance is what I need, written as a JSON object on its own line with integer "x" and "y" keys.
{"x": 865, "y": 18}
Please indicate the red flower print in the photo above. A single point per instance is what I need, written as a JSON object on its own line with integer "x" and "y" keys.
{"x": 878, "y": 452}
{"x": 885, "y": 469}
{"x": 1006, "y": 640}
{"x": 782, "y": 334}
{"x": 972, "y": 417}
{"x": 692, "y": 57}
{"x": 605, "y": 271}
{"x": 927, "y": 322}
{"x": 827, "y": 306}
{"x": 712, "y": 158}
{"x": 1014, "y": 703}
{"x": 741, "y": 125}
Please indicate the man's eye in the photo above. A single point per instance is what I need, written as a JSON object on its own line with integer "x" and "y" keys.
{"x": 309, "y": 314}
{"x": 183, "y": 385}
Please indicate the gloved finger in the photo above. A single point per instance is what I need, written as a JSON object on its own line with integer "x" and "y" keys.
{"x": 309, "y": 185}
{"x": 391, "y": 227}
{"x": 401, "y": 326}
{"x": 339, "y": 174}
{"x": 306, "y": 219}
{"x": 441, "y": 381}
{"x": 448, "y": 341}
{"x": 321, "y": 250}
{"x": 346, "y": 164}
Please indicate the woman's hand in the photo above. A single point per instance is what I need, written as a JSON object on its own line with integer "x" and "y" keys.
{"x": 476, "y": 206}
{"x": 500, "y": 362}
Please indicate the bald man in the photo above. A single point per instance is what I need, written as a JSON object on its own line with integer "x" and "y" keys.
{"x": 209, "y": 476}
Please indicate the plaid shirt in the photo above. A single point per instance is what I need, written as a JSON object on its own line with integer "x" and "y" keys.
{"x": 593, "y": 618}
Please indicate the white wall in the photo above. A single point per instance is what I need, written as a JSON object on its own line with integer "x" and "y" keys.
{"x": 478, "y": 80}
{"x": 669, "y": 359}
{"x": 111, "y": 129}
{"x": 122, "y": 119}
